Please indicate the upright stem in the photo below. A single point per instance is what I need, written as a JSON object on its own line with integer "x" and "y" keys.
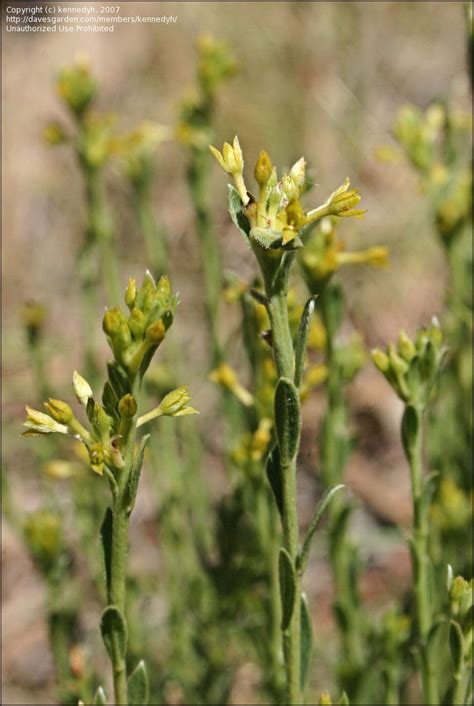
{"x": 117, "y": 593}
{"x": 335, "y": 447}
{"x": 154, "y": 237}
{"x": 117, "y": 586}
{"x": 100, "y": 232}
{"x": 211, "y": 261}
{"x": 284, "y": 360}
{"x": 420, "y": 563}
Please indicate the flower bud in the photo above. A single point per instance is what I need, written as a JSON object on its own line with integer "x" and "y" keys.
{"x": 381, "y": 360}
{"x": 137, "y": 323}
{"x": 60, "y": 411}
{"x": 175, "y": 401}
{"x": 406, "y": 347}
{"x": 131, "y": 293}
{"x": 290, "y": 188}
{"x": 263, "y": 169}
{"x": 82, "y": 389}
{"x": 434, "y": 332}
{"x": 38, "y": 423}
{"x": 155, "y": 333}
{"x": 298, "y": 172}
{"x": 127, "y": 406}
{"x": 113, "y": 318}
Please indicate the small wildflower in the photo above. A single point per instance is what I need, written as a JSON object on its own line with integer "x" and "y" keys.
{"x": 225, "y": 376}
{"x": 341, "y": 203}
{"x": 174, "y": 404}
{"x": 38, "y": 423}
{"x": 82, "y": 389}
{"x": 231, "y": 161}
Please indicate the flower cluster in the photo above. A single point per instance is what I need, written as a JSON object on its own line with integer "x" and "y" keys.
{"x": 133, "y": 340}
{"x": 412, "y": 367}
{"x": 325, "y": 253}
{"x": 77, "y": 87}
{"x": 216, "y": 65}
{"x": 276, "y": 217}
{"x": 95, "y": 140}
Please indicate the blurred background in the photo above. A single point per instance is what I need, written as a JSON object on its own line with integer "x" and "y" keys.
{"x": 323, "y": 80}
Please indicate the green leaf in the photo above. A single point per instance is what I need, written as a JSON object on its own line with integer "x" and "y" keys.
{"x": 106, "y": 546}
{"x": 302, "y": 339}
{"x": 114, "y": 632}
{"x": 273, "y": 469}
{"x": 138, "y": 689}
{"x": 286, "y": 574}
{"x": 118, "y": 379}
{"x": 100, "y": 698}
{"x": 410, "y": 430}
{"x": 134, "y": 477}
{"x": 90, "y": 409}
{"x": 237, "y": 214}
{"x": 456, "y": 643}
{"x": 318, "y": 513}
{"x": 287, "y": 419}
{"x": 110, "y": 401}
{"x": 146, "y": 360}
{"x": 306, "y": 641}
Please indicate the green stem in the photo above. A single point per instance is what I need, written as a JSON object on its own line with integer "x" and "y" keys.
{"x": 41, "y": 378}
{"x": 284, "y": 360}
{"x": 100, "y": 232}
{"x": 155, "y": 241}
{"x": 117, "y": 593}
{"x": 117, "y": 587}
{"x": 420, "y": 563}
{"x": 211, "y": 260}
{"x": 335, "y": 448}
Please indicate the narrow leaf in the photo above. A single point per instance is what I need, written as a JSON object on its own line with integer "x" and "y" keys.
{"x": 106, "y": 547}
{"x": 138, "y": 689}
{"x": 410, "y": 428}
{"x": 456, "y": 643}
{"x": 118, "y": 379}
{"x": 287, "y": 419}
{"x": 134, "y": 477}
{"x": 100, "y": 698}
{"x": 286, "y": 574}
{"x": 90, "y": 408}
{"x": 237, "y": 214}
{"x": 259, "y": 297}
{"x": 318, "y": 513}
{"x": 273, "y": 469}
{"x": 109, "y": 400}
{"x": 302, "y": 339}
{"x": 114, "y": 632}
{"x": 306, "y": 641}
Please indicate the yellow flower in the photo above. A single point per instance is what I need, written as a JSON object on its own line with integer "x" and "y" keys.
{"x": 232, "y": 162}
